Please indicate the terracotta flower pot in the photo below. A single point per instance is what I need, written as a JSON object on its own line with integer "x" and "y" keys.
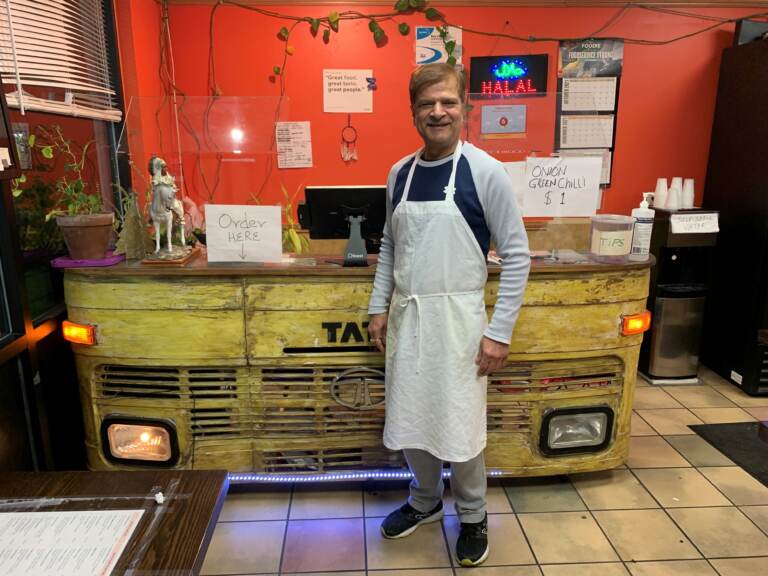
{"x": 86, "y": 235}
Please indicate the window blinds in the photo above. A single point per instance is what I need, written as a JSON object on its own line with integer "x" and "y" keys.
{"x": 57, "y": 49}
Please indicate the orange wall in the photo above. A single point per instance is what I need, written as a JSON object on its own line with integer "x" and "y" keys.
{"x": 665, "y": 106}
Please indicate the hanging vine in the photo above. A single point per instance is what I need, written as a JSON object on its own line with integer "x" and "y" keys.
{"x": 332, "y": 23}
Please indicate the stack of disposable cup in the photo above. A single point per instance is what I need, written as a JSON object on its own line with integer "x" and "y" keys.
{"x": 686, "y": 198}
{"x": 660, "y": 195}
{"x": 673, "y": 196}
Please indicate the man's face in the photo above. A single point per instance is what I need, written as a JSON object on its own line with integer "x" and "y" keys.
{"x": 438, "y": 114}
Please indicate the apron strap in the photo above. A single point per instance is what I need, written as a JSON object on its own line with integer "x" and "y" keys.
{"x": 450, "y": 188}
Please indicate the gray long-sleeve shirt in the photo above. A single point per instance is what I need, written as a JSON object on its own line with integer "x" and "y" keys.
{"x": 484, "y": 196}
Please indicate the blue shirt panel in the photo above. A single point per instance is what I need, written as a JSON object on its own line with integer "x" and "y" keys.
{"x": 429, "y": 184}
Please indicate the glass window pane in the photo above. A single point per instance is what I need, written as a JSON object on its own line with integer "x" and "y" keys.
{"x": 55, "y": 153}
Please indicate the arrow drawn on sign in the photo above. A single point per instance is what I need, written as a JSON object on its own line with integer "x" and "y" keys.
{"x": 242, "y": 251}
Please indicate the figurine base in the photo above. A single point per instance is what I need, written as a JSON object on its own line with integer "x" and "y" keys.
{"x": 179, "y": 256}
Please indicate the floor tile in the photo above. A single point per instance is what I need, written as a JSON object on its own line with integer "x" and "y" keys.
{"x": 548, "y": 494}
{"x": 698, "y": 451}
{"x": 496, "y": 501}
{"x": 721, "y": 532}
{"x": 326, "y": 503}
{"x": 612, "y": 490}
{"x": 760, "y": 413}
{"x": 379, "y": 503}
{"x": 495, "y": 571}
{"x": 741, "y": 566}
{"x": 641, "y": 382}
{"x": 645, "y": 535}
{"x": 698, "y": 397}
{"x": 603, "y": 569}
{"x": 640, "y": 427}
{"x": 711, "y": 378}
{"x": 425, "y": 548}
{"x": 672, "y": 568}
{"x": 741, "y": 398}
{"x": 245, "y": 547}
{"x": 566, "y": 537}
{"x": 670, "y": 420}
{"x": 652, "y": 397}
{"x": 505, "y": 540}
{"x": 352, "y": 573}
{"x": 758, "y": 515}
{"x": 740, "y": 488}
{"x": 322, "y": 545}
{"x": 681, "y": 487}
{"x": 653, "y": 452}
{"x": 255, "y": 506}
{"x": 722, "y": 415}
{"x": 423, "y": 572}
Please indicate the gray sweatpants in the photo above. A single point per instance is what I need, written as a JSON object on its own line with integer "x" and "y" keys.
{"x": 468, "y": 484}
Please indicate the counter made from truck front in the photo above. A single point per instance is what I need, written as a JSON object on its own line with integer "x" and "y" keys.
{"x": 268, "y": 369}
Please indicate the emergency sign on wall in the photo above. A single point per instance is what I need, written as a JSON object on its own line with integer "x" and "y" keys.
{"x": 508, "y": 75}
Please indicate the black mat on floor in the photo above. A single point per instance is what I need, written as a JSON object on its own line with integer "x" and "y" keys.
{"x": 740, "y": 443}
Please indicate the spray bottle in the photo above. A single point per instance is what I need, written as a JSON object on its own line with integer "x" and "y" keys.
{"x": 641, "y": 232}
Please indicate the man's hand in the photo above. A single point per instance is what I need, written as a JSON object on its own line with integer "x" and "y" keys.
{"x": 377, "y": 330}
{"x": 491, "y": 356}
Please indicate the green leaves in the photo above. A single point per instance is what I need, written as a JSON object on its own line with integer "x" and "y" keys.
{"x": 283, "y": 34}
{"x": 450, "y": 46}
{"x": 404, "y": 28}
{"x": 47, "y": 152}
{"x": 379, "y": 36}
{"x": 402, "y": 5}
{"x": 31, "y": 140}
{"x": 314, "y": 26}
{"x": 373, "y": 25}
{"x": 276, "y": 70}
{"x": 451, "y": 61}
{"x": 326, "y": 35}
{"x": 333, "y": 21}
{"x": 433, "y": 14}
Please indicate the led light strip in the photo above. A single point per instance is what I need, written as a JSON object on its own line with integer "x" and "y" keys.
{"x": 240, "y": 478}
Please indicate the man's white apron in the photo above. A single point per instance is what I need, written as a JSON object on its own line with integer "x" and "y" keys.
{"x": 435, "y": 400}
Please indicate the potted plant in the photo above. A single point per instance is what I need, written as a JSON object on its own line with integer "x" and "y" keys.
{"x": 77, "y": 207}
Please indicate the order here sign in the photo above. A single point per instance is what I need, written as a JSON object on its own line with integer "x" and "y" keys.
{"x": 242, "y": 233}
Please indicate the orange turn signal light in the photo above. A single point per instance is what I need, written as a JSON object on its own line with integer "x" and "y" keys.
{"x": 79, "y": 333}
{"x": 636, "y": 323}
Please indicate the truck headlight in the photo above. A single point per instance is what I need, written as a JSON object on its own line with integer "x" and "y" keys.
{"x": 139, "y": 441}
{"x": 571, "y": 430}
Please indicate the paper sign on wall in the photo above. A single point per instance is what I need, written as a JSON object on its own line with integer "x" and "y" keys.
{"x": 430, "y": 48}
{"x": 516, "y": 172}
{"x": 294, "y": 144}
{"x": 240, "y": 233}
{"x": 561, "y": 186}
{"x": 508, "y": 119}
{"x": 347, "y": 91}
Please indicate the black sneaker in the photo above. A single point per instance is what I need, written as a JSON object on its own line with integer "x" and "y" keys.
{"x": 472, "y": 545}
{"x": 406, "y": 519}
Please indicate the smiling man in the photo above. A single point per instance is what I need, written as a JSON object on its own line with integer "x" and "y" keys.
{"x": 446, "y": 203}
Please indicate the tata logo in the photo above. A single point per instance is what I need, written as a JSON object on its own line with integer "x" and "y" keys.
{"x": 344, "y": 332}
{"x": 352, "y": 388}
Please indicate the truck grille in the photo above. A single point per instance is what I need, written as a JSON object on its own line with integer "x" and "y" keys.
{"x": 311, "y": 410}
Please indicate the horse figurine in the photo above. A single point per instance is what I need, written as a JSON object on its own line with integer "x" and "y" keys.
{"x": 164, "y": 202}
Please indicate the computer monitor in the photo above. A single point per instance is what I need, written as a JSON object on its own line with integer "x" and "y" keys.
{"x": 356, "y": 213}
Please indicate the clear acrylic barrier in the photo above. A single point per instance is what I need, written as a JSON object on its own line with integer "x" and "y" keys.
{"x": 204, "y": 141}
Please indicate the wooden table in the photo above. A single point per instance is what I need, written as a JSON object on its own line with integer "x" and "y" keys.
{"x": 171, "y": 538}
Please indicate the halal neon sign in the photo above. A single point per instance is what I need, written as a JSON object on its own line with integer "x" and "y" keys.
{"x": 509, "y": 70}
{"x": 509, "y": 75}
